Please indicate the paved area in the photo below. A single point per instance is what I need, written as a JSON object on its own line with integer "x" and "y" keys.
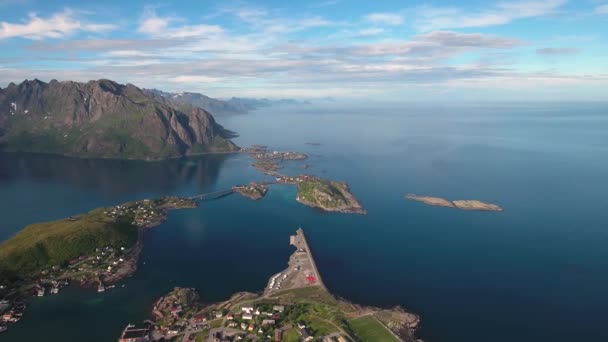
{"x": 301, "y": 271}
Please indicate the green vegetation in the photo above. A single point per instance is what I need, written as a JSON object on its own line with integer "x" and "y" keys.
{"x": 291, "y": 335}
{"x": 201, "y": 336}
{"x": 43, "y": 245}
{"x": 322, "y": 192}
{"x": 266, "y": 165}
{"x": 369, "y": 328}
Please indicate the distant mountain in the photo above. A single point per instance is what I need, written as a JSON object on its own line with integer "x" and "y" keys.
{"x": 104, "y": 119}
{"x": 232, "y": 106}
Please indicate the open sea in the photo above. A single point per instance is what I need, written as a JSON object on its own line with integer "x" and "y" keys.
{"x": 536, "y": 272}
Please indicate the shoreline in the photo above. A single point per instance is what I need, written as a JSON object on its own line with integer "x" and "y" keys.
{"x": 293, "y": 303}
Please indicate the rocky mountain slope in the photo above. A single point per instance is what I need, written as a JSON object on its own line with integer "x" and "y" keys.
{"x": 104, "y": 119}
{"x": 234, "y": 105}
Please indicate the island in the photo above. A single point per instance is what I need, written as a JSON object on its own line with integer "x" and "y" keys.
{"x": 294, "y": 306}
{"x": 266, "y": 166}
{"x": 253, "y": 190}
{"x": 262, "y": 152}
{"x": 94, "y": 249}
{"x": 327, "y": 195}
{"x": 459, "y": 204}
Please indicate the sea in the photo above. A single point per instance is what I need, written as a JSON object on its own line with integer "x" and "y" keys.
{"x": 536, "y": 272}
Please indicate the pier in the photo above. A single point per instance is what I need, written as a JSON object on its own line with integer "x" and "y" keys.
{"x": 301, "y": 271}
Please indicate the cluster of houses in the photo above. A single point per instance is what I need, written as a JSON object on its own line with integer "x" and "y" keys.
{"x": 105, "y": 260}
{"x": 10, "y": 313}
{"x": 293, "y": 179}
{"x": 143, "y": 212}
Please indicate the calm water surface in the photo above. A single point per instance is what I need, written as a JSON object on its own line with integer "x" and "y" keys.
{"x": 536, "y": 272}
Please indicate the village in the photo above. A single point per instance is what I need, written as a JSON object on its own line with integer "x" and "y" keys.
{"x": 104, "y": 265}
{"x": 295, "y": 306}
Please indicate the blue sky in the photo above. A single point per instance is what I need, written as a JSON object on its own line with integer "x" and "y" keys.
{"x": 393, "y": 50}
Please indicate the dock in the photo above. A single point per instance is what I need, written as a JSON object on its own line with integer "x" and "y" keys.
{"x": 301, "y": 271}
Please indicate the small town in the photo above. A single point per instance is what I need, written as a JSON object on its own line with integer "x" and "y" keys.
{"x": 105, "y": 265}
{"x": 295, "y": 306}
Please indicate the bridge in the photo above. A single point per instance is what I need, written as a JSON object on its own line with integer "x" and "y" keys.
{"x": 212, "y": 195}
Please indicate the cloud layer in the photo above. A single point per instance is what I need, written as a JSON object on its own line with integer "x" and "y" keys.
{"x": 257, "y": 51}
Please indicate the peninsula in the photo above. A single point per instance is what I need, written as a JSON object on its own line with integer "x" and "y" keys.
{"x": 295, "y": 306}
{"x": 459, "y": 204}
{"x": 93, "y": 249}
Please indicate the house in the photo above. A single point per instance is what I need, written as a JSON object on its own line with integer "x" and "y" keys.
{"x": 199, "y": 318}
{"x": 174, "y": 330}
{"x": 247, "y": 309}
{"x": 342, "y": 339}
{"x": 218, "y": 314}
{"x": 175, "y": 311}
{"x": 301, "y": 325}
{"x": 278, "y": 335}
{"x": 230, "y": 317}
{"x": 278, "y": 308}
{"x": 268, "y": 322}
{"x": 251, "y": 327}
{"x": 248, "y": 316}
{"x": 243, "y": 326}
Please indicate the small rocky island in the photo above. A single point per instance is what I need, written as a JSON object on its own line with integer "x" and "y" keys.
{"x": 94, "y": 249}
{"x": 294, "y": 306}
{"x": 253, "y": 190}
{"x": 324, "y": 194}
{"x": 459, "y": 204}
{"x": 268, "y": 161}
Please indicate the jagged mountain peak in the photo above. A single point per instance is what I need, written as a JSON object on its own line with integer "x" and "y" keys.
{"x": 103, "y": 118}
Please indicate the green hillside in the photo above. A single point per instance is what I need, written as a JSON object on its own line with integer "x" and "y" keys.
{"x": 43, "y": 245}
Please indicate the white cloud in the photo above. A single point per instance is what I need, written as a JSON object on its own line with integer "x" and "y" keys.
{"x": 194, "y": 79}
{"x": 385, "y": 18}
{"x": 58, "y": 25}
{"x": 434, "y": 18}
{"x": 602, "y": 9}
{"x": 155, "y": 26}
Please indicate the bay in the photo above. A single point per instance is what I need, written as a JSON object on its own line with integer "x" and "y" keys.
{"x": 535, "y": 272}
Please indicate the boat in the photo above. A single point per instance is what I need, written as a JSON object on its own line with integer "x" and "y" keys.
{"x": 101, "y": 288}
{"x": 55, "y": 290}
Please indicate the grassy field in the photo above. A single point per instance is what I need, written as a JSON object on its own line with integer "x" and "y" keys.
{"x": 291, "y": 335}
{"x": 42, "y": 245}
{"x": 369, "y": 329}
{"x": 322, "y": 192}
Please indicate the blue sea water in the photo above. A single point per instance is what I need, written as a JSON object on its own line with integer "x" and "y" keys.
{"x": 536, "y": 272}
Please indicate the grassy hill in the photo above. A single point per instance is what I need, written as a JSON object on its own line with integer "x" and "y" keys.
{"x": 43, "y": 245}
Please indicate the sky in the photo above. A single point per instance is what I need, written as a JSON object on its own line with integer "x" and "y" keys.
{"x": 546, "y": 50}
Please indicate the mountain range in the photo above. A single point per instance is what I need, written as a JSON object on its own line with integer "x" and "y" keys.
{"x": 104, "y": 119}
{"x": 234, "y": 105}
